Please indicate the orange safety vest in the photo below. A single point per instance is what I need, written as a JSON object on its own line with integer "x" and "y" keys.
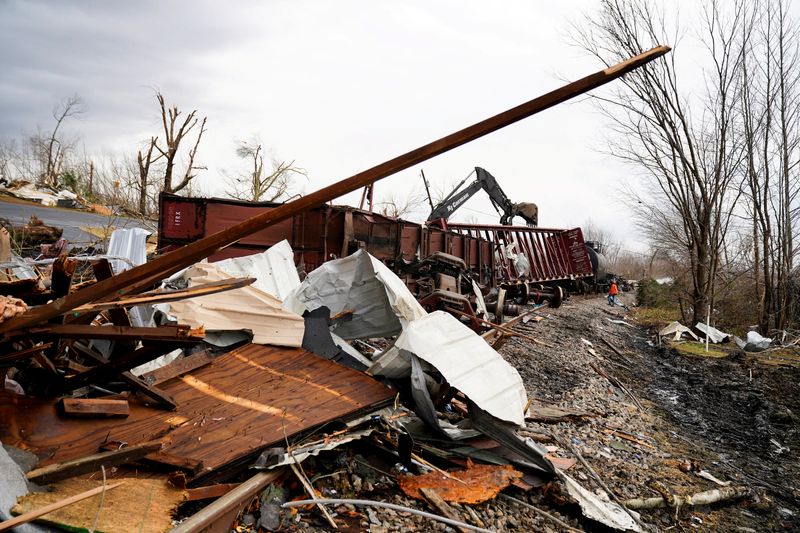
{"x": 613, "y": 290}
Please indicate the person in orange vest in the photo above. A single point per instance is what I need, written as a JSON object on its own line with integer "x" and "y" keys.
{"x": 612, "y": 293}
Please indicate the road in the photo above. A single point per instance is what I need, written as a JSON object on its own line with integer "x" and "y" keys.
{"x": 71, "y": 220}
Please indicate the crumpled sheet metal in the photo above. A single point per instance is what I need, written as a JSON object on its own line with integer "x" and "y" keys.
{"x": 131, "y": 244}
{"x": 275, "y": 457}
{"x": 477, "y": 484}
{"x": 464, "y": 360}
{"x": 381, "y": 303}
{"x": 274, "y": 269}
{"x": 246, "y": 308}
{"x": 676, "y": 329}
{"x": 714, "y": 335}
{"x": 605, "y": 512}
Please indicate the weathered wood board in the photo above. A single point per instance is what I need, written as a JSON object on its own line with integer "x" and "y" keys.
{"x": 243, "y": 402}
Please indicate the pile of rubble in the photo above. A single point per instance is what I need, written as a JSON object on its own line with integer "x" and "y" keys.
{"x": 50, "y": 197}
{"x": 237, "y": 365}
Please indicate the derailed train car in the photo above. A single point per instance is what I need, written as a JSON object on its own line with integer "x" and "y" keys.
{"x": 439, "y": 265}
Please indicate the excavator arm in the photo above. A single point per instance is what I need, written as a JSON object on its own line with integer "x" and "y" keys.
{"x": 483, "y": 180}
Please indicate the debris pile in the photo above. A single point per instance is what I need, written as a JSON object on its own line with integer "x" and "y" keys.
{"x": 185, "y": 395}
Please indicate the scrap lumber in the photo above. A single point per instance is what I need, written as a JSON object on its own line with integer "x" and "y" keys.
{"x": 177, "y": 333}
{"x": 210, "y": 492}
{"x": 158, "y": 396}
{"x": 61, "y": 277}
{"x": 228, "y": 412}
{"x": 177, "y": 367}
{"x": 220, "y": 514}
{"x": 109, "y": 370}
{"x": 545, "y": 514}
{"x": 25, "y": 354}
{"x": 91, "y": 463}
{"x": 174, "y": 462}
{"x": 138, "y": 278}
{"x": 94, "y": 407}
{"x": 617, "y": 383}
{"x": 554, "y": 415}
{"x": 440, "y": 505}
{"x": 166, "y": 296}
{"x": 504, "y": 330}
{"x": 33, "y": 515}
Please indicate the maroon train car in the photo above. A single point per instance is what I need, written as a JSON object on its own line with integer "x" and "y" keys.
{"x": 327, "y": 232}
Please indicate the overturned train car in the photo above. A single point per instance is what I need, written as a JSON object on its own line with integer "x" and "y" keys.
{"x": 439, "y": 265}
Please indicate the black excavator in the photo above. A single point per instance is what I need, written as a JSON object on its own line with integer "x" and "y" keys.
{"x": 483, "y": 180}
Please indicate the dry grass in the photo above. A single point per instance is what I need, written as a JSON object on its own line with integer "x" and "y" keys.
{"x": 656, "y": 317}
{"x": 698, "y": 349}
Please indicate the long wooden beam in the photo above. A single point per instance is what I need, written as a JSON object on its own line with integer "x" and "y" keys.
{"x": 173, "y": 261}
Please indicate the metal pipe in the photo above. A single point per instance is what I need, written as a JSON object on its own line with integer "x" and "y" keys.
{"x": 393, "y": 506}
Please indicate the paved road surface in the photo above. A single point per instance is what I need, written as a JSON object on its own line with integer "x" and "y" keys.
{"x": 71, "y": 220}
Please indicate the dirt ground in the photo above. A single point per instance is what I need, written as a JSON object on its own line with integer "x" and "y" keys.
{"x": 732, "y": 417}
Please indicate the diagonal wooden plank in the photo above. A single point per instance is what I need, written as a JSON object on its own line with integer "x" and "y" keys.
{"x": 173, "y": 261}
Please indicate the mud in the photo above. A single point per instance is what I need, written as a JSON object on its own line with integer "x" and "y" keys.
{"x": 734, "y": 416}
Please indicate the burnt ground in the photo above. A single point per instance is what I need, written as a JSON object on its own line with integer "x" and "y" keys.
{"x": 735, "y": 417}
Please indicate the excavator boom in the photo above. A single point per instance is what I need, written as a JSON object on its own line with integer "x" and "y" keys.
{"x": 484, "y": 180}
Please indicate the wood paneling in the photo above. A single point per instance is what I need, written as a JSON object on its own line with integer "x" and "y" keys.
{"x": 243, "y": 402}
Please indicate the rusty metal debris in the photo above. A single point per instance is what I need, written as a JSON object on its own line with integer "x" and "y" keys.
{"x": 476, "y": 484}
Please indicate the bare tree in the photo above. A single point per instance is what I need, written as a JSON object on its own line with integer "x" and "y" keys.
{"x": 253, "y": 184}
{"x": 52, "y": 147}
{"x": 399, "y": 205}
{"x": 687, "y": 146}
{"x": 144, "y": 161}
{"x": 175, "y": 131}
{"x": 770, "y": 80}
{"x": 609, "y": 244}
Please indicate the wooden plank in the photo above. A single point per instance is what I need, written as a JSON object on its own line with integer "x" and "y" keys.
{"x": 177, "y": 367}
{"x": 91, "y": 463}
{"x": 94, "y": 408}
{"x": 160, "y": 398}
{"x": 179, "y": 333}
{"x": 109, "y": 370}
{"x": 210, "y": 491}
{"x": 174, "y": 462}
{"x": 62, "y": 272}
{"x": 162, "y": 296}
{"x": 33, "y": 515}
{"x": 219, "y": 515}
{"x": 171, "y": 262}
{"x": 24, "y": 354}
{"x": 245, "y": 401}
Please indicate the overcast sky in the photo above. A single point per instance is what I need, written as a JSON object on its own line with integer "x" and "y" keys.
{"x": 336, "y": 86}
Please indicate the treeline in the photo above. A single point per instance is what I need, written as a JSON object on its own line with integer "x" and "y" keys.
{"x": 131, "y": 181}
{"x": 714, "y": 129}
